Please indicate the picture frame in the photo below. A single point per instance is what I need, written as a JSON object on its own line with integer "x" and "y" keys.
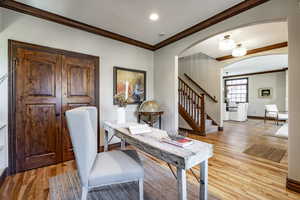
{"x": 266, "y": 93}
{"x": 136, "y": 81}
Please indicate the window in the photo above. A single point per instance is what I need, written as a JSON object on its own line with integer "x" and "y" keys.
{"x": 236, "y": 90}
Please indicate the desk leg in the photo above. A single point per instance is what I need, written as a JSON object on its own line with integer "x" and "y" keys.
{"x": 105, "y": 140}
{"x": 181, "y": 184}
{"x": 203, "y": 180}
{"x": 123, "y": 144}
{"x": 159, "y": 121}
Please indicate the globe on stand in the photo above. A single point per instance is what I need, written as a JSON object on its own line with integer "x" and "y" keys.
{"x": 150, "y": 112}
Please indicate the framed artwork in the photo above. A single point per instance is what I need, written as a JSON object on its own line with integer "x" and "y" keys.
{"x": 131, "y": 83}
{"x": 265, "y": 92}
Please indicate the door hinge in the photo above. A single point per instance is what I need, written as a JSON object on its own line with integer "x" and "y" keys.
{"x": 15, "y": 61}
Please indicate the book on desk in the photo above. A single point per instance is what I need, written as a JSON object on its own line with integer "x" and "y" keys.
{"x": 177, "y": 141}
{"x": 139, "y": 129}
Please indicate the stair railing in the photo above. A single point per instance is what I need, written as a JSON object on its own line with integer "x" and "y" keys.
{"x": 213, "y": 98}
{"x": 193, "y": 103}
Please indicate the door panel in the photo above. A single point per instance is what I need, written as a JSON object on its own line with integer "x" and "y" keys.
{"x": 78, "y": 89}
{"x": 44, "y": 84}
{"x": 38, "y": 109}
{"x": 79, "y": 81}
{"x": 40, "y": 79}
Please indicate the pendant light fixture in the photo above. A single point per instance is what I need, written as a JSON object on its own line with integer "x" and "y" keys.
{"x": 239, "y": 51}
{"x": 226, "y": 43}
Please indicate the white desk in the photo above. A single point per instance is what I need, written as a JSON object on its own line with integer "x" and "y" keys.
{"x": 183, "y": 158}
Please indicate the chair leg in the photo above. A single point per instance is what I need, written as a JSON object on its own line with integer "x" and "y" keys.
{"x": 84, "y": 193}
{"x": 141, "y": 189}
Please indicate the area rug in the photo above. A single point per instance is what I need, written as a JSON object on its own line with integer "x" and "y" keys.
{"x": 266, "y": 152}
{"x": 159, "y": 184}
{"x": 282, "y": 132}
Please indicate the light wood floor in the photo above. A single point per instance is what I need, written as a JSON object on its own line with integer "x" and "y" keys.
{"x": 232, "y": 174}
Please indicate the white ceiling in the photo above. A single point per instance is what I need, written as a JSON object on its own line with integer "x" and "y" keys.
{"x": 251, "y": 37}
{"x": 257, "y": 64}
{"x": 131, "y": 17}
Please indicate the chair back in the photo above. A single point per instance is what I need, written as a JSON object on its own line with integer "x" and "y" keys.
{"x": 82, "y": 125}
{"x": 271, "y": 108}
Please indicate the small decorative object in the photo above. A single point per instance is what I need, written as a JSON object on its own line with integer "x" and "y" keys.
{"x": 150, "y": 113}
{"x": 121, "y": 101}
{"x": 131, "y": 83}
{"x": 265, "y": 92}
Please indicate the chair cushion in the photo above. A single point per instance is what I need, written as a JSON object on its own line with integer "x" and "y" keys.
{"x": 272, "y": 114}
{"x": 283, "y": 116}
{"x": 116, "y": 167}
{"x": 271, "y": 108}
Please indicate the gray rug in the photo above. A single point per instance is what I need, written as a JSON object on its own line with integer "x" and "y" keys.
{"x": 159, "y": 184}
{"x": 266, "y": 152}
{"x": 282, "y": 132}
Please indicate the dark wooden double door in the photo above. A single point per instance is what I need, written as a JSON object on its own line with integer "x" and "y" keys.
{"x": 47, "y": 83}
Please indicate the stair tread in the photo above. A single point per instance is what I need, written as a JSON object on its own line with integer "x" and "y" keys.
{"x": 212, "y": 129}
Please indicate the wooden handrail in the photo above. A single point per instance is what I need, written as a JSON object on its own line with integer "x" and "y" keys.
{"x": 193, "y": 105}
{"x": 204, "y": 91}
{"x": 185, "y": 83}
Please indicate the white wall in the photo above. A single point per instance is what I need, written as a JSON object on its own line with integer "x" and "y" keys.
{"x": 286, "y": 91}
{"x": 294, "y": 94}
{"x": 112, "y": 53}
{"x": 272, "y": 80}
{"x": 206, "y": 72}
{"x": 166, "y": 72}
{"x": 165, "y": 77}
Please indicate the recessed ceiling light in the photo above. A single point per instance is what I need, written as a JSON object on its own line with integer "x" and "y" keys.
{"x": 154, "y": 17}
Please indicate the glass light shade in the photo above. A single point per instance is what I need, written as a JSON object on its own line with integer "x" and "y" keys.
{"x": 226, "y": 43}
{"x": 239, "y": 51}
{"x": 154, "y": 17}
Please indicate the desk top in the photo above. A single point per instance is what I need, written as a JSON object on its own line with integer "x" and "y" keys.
{"x": 185, "y": 158}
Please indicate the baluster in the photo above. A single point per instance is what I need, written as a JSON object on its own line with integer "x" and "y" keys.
{"x": 185, "y": 100}
{"x": 195, "y": 107}
{"x": 191, "y": 104}
{"x": 180, "y": 93}
{"x": 198, "y": 111}
{"x": 202, "y": 114}
{"x": 189, "y": 100}
{"x": 194, "y": 95}
{"x": 182, "y": 90}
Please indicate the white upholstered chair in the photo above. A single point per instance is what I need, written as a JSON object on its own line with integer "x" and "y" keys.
{"x": 271, "y": 111}
{"x": 99, "y": 169}
{"x": 240, "y": 113}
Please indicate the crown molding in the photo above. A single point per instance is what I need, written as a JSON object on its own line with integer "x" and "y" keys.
{"x": 258, "y": 50}
{"x": 257, "y": 73}
{"x": 230, "y": 12}
{"x": 29, "y": 10}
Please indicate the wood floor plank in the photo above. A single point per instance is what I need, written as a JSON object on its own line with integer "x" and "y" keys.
{"x": 232, "y": 174}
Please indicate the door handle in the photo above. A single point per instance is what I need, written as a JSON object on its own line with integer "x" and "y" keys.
{"x": 58, "y": 114}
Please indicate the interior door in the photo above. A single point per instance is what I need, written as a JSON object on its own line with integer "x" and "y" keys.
{"x": 78, "y": 89}
{"x": 38, "y": 109}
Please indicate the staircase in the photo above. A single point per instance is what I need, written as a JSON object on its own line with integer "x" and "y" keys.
{"x": 191, "y": 107}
